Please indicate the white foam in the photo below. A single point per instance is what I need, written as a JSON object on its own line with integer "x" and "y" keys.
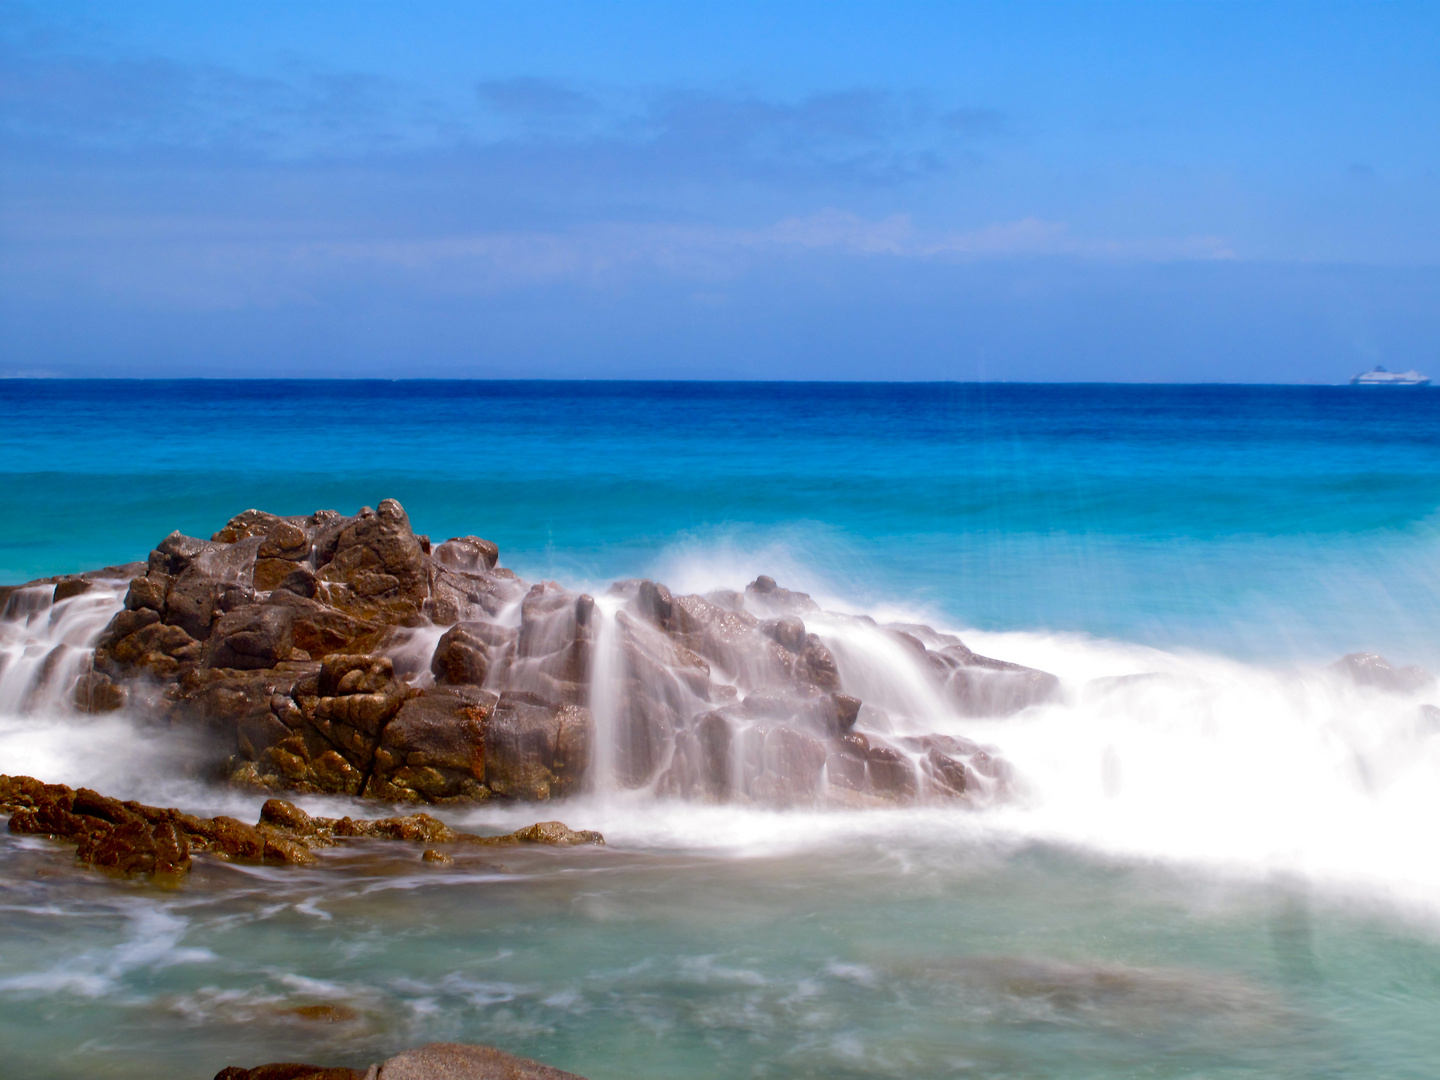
{"x": 1151, "y": 754}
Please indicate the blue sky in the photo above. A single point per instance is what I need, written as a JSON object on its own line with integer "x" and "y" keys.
{"x": 1153, "y": 192}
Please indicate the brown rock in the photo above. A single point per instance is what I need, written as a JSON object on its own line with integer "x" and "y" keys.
{"x": 344, "y": 673}
{"x": 817, "y": 665}
{"x": 435, "y": 747}
{"x": 252, "y": 637}
{"x": 456, "y": 1061}
{"x": 64, "y": 590}
{"x": 325, "y": 1013}
{"x": 285, "y": 815}
{"x": 289, "y": 1071}
{"x": 148, "y": 593}
{"x": 421, "y": 828}
{"x": 534, "y": 749}
{"x": 233, "y": 839}
{"x": 890, "y": 772}
{"x": 461, "y": 656}
{"x": 191, "y": 603}
{"x": 788, "y": 631}
{"x": 285, "y": 540}
{"x": 467, "y": 553}
{"x": 96, "y": 693}
{"x": 245, "y": 525}
{"x": 768, "y": 596}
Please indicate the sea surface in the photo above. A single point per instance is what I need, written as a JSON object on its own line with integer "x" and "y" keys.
{"x": 1223, "y": 861}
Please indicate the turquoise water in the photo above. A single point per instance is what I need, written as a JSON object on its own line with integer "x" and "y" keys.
{"x": 1225, "y": 869}
{"x": 1242, "y": 519}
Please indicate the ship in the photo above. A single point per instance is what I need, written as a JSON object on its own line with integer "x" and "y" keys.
{"x": 1381, "y": 377}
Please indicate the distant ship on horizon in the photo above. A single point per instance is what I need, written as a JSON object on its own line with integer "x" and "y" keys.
{"x": 1381, "y": 377}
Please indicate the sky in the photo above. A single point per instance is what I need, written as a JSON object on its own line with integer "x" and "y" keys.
{"x": 1153, "y": 192}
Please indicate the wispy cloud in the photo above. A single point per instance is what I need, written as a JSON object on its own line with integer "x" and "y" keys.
{"x": 211, "y": 265}
{"x": 55, "y": 93}
{"x": 595, "y": 252}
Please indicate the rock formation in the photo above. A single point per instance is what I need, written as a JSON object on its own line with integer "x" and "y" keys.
{"x": 347, "y": 655}
{"x": 132, "y": 838}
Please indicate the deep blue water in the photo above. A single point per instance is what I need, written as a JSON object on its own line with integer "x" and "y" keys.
{"x": 1278, "y": 519}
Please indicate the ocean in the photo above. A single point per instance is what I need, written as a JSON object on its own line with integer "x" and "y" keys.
{"x": 1220, "y": 862}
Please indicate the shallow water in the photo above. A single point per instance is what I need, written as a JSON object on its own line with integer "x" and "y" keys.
{"x": 910, "y": 950}
{"x": 1221, "y": 862}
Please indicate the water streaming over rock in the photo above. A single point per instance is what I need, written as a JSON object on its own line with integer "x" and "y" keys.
{"x": 47, "y": 634}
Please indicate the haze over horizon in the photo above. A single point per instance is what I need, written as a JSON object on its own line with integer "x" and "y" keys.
{"x": 1187, "y": 193}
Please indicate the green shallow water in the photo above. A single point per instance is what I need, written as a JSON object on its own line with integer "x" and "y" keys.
{"x": 867, "y": 957}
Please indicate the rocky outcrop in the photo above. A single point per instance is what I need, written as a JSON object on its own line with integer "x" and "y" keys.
{"x": 434, "y": 1061}
{"x": 349, "y": 656}
{"x": 132, "y": 838}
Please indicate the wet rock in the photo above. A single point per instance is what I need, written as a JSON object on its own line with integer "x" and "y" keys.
{"x": 793, "y": 761}
{"x": 817, "y": 665}
{"x": 981, "y": 686}
{"x": 107, "y": 833}
{"x": 547, "y": 833}
{"x": 1368, "y": 669}
{"x": 457, "y": 1061}
{"x": 191, "y": 603}
{"x": 95, "y": 692}
{"x": 285, "y": 815}
{"x": 290, "y": 1071}
{"x": 467, "y": 553}
{"x": 944, "y": 772}
{"x": 272, "y": 638}
{"x": 788, "y": 631}
{"x": 285, "y": 540}
{"x": 431, "y": 855}
{"x": 764, "y": 595}
{"x": 418, "y": 828}
{"x": 845, "y": 765}
{"x": 132, "y": 838}
{"x": 461, "y": 656}
{"x": 64, "y": 590}
{"x": 889, "y": 772}
{"x": 320, "y": 629}
{"x": 148, "y": 593}
{"x": 460, "y": 595}
{"x": 252, "y": 637}
{"x": 245, "y": 525}
{"x": 434, "y": 1061}
{"x": 176, "y": 553}
{"x": 233, "y": 839}
{"x": 435, "y": 748}
{"x": 706, "y": 768}
{"x": 655, "y": 604}
{"x": 379, "y": 560}
{"x": 299, "y": 581}
{"x": 535, "y": 749}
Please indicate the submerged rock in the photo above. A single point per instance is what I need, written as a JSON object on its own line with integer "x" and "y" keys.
{"x": 346, "y": 655}
{"x": 458, "y": 1061}
{"x": 132, "y": 838}
{"x": 434, "y": 1061}
{"x": 292, "y": 1071}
